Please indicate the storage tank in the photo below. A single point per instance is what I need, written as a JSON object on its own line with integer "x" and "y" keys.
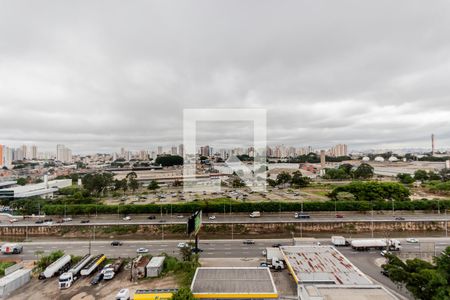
{"x": 55, "y": 267}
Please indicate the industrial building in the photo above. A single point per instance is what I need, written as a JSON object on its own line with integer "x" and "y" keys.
{"x": 323, "y": 273}
{"x": 233, "y": 283}
{"x": 45, "y": 189}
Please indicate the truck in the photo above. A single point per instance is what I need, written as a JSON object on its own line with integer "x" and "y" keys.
{"x": 68, "y": 278}
{"x": 379, "y": 244}
{"x": 12, "y": 248}
{"x": 339, "y": 241}
{"x": 275, "y": 264}
{"x": 255, "y": 214}
{"x": 109, "y": 271}
{"x": 59, "y": 266}
{"x": 93, "y": 265}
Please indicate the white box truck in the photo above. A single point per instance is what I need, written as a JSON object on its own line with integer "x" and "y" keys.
{"x": 339, "y": 241}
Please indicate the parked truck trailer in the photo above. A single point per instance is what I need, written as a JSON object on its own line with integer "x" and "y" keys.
{"x": 93, "y": 265}
{"x": 379, "y": 244}
{"x": 59, "y": 266}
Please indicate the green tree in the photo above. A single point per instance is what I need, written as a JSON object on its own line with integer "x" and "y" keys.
{"x": 271, "y": 182}
{"x": 284, "y": 178}
{"x": 405, "y": 178}
{"x": 183, "y": 293}
{"x": 153, "y": 185}
{"x": 298, "y": 180}
{"x": 133, "y": 184}
{"x": 169, "y": 160}
{"x": 421, "y": 175}
{"x": 336, "y": 174}
{"x": 22, "y": 181}
{"x": 237, "y": 183}
{"x": 364, "y": 171}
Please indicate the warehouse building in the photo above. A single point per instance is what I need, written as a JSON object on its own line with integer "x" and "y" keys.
{"x": 233, "y": 283}
{"x": 45, "y": 189}
{"x": 323, "y": 273}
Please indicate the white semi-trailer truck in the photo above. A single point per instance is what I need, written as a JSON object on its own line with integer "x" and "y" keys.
{"x": 59, "y": 266}
{"x": 379, "y": 244}
{"x": 339, "y": 241}
{"x": 67, "y": 279}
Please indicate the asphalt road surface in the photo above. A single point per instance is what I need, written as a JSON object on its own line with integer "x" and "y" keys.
{"x": 283, "y": 217}
{"x": 365, "y": 261}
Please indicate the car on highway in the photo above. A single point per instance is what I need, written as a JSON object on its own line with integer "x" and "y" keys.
{"x": 84, "y": 221}
{"x": 276, "y": 245}
{"x": 48, "y": 220}
{"x": 67, "y": 219}
{"x": 116, "y": 243}
{"x": 385, "y": 273}
{"x": 212, "y": 217}
{"x": 182, "y": 245}
{"x": 301, "y": 216}
{"x": 385, "y": 252}
{"x": 248, "y": 242}
{"x": 339, "y": 216}
{"x": 97, "y": 278}
{"x": 180, "y": 216}
{"x": 13, "y": 220}
{"x": 412, "y": 240}
{"x": 142, "y": 250}
{"x": 151, "y": 217}
{"x": 399, "y": 218}
{"x": 48, "y": 223}
{"x": 264, "y": 252}
{"x": 127, "y": 218}
{"x": 39, "y": 222}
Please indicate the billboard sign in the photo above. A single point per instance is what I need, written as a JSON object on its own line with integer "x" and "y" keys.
{"x": 195, "y": 223}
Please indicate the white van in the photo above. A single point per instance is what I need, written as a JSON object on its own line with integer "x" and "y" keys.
{"x": 255, "y": 214}
{"x": 123, "y": 294}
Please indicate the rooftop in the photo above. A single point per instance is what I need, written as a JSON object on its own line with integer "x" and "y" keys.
{"x": 322, "y": 265}
{"x": 227, "y": 280}
{"x": 347, "y": 293}
{"x": 156, "y": 262}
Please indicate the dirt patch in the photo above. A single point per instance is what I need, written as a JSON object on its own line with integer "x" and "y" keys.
{"x": 82, "y": 290}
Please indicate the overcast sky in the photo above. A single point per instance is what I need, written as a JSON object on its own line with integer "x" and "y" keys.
{"x": 99, "y": 75}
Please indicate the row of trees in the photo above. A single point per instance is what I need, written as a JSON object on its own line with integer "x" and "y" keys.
{"x": 218, "y": 207}
{"x": 422, "y": 175}
{"x": 296, "y": 180}
{"x": 347, "y": 171}
{"x": 313, "y": 158}
{"x": 424, "y": 280}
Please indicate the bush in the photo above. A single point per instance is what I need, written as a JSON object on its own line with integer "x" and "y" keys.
{"x": 4, "y": 266}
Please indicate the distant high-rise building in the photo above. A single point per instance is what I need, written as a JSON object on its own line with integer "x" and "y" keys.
{"x": 34, "y": 153}
{"x": 322, "y": 158}
{"x": 1, "y": 155}
{"x": 143, "y": 155}
{"x": 432, "y": 145}
{"x": 204, "y": 151}
{"x": 174, "y": 150}
{"x": 160, "y": 150}
{"x": 180, "y": 150}
{"x": 24, "y": 152}
{"x": 338, "y": 150}
{"x": 63, "y": 154}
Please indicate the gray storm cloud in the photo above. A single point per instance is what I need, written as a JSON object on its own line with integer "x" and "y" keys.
{"x": 99, "y": 75}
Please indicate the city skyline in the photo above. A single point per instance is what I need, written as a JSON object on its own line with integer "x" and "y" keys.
{"x": 95, "y": 87}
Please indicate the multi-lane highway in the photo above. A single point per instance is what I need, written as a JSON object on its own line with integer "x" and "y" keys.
{"x": 284, "y": 217}
{"x": 211, "y": 248}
